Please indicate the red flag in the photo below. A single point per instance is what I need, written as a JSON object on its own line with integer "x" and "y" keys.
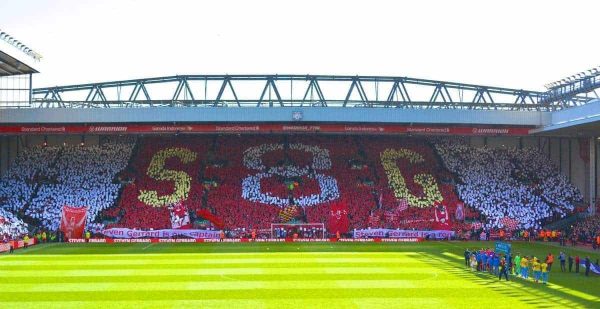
{"x": 180, "y": 218}
{"x": 72, "y": 222}
{"x": 218, "y": 223}
{"x": 338, "y": 218}
{"x": 441, "y": 217}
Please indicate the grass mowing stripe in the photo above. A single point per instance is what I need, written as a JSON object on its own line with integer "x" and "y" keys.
{"x": 190, "y": 278}
{"x": 34, "y": 269}
{"x": 208, "y": 271}
{"x": 299, "y": 275}
{"x": 203, "y": 260}
{"x": 232, "y": 248}
{"x": 233, "y": 284}
{"x": 167, "y": 294}
{"x": 372, "y": 303}
{"x": 40, "y": 256}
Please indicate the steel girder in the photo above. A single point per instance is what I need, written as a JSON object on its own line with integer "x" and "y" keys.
{"x": 296, "y": 91}
{"x": 568, "y": 88}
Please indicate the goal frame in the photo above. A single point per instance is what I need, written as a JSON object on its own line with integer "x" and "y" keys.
{"x": 320, "y": 225}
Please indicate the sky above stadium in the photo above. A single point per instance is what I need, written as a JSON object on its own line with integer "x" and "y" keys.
{"x": 510, "y": 43}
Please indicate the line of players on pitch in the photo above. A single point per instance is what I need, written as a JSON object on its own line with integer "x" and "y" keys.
{"x": 486, "y": 260}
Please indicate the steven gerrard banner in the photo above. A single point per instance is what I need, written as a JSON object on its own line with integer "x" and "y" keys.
{"x": 72, "y": 222}
{"x": 166, "y": 233}
{"x": 383, "y": 233}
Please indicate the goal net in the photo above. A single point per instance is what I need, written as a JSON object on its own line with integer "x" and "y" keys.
{"x": 304, "y": 230}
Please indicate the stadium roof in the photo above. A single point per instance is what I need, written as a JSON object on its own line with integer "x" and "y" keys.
{"x": 578, "y": 121}
{"x": 12, "y": 66}
{"x": 16, "y": 58}
{"x": 298, "y": 91}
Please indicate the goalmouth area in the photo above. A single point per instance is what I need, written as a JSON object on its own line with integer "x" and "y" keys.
{"x": 279, "y": 275}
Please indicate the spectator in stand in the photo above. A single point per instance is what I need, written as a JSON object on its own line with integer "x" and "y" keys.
{"x": 11, "y": 227}
{"x": 587, "y": 230}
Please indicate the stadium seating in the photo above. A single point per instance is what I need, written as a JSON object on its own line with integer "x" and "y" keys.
{"x": 10, "y": 225}
{"x": 44, "y": 179}
{"x": 250, "y": 181}
{"x": 144, "y": 202}
{"x": 245, "y": 181}
{"x": 18, "y": 185}
{"x": 25, "y": 175}
{"x": 588, "y": 229}
{"x": 400, "y": 165}
{"x": 81, "y": 177}
{"x": 520, "y": 184}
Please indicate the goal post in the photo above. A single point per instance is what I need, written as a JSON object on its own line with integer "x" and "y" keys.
{"x": 304, "y": 230}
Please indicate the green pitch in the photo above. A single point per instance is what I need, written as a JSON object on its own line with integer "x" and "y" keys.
{"x": 282, "y": 275}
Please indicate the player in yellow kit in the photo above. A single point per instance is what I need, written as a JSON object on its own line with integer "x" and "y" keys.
{"x": 544, "y": 267}
{"x": 537, "y": 270}
{"x": 524, "y": 267}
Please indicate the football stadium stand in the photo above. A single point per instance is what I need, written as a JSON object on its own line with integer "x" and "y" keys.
{"x": 251, "y": 181}
{"x": 44, "y": 179}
